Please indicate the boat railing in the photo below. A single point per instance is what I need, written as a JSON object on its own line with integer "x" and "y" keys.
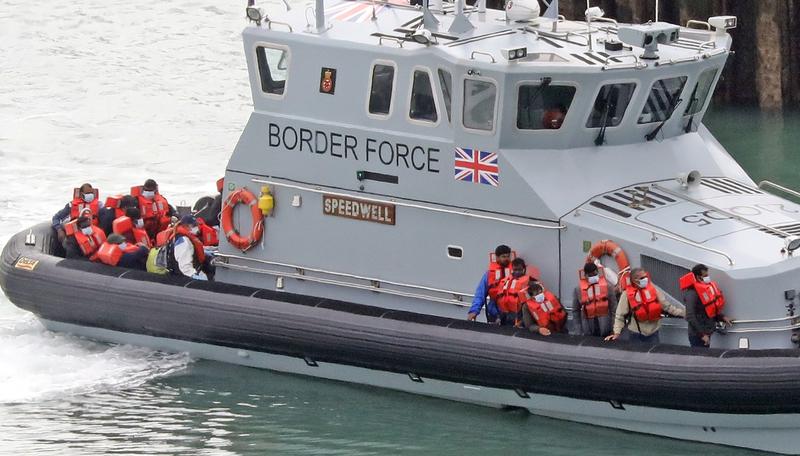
{"x": 371, "y": 283}
{"x": 733, "y": 216}
{"x": 636, "y": 64}
{"x": 286, "y": 24}
{"x": 472, "y": 55}
{"x": 389, "y": 38}
{"x": 656, "y": 234}
{"x": 396, "y": 202}
{"x": 766, "y": 183}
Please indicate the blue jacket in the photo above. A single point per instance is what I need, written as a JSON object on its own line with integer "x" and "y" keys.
{"x": 481, "y": 293}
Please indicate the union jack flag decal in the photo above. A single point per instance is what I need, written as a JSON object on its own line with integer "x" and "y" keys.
{"x": 358, "y": 11}
{"x": 477, "y": 166}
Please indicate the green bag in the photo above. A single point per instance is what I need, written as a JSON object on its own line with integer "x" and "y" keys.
{"x": 153, "y": 264}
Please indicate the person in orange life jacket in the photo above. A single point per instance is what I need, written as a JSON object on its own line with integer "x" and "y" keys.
{"x": 131, "y": 226}
{"x": 704, "y": 303}
{"x": 542, "y": 312}
{"x": 185, "y": 254}
{"x": 156, "y": 211}
{"x": 508, "y": 297}
{"x": 594, "y": 302}
{"x": 116, "y": 251}
{"x": 115, "y": 207}
{"x": 488, "y": 285}
{"x": 82, "y": 238}
{"x": 85, "y": 197}
{"x": 643, "y": 303}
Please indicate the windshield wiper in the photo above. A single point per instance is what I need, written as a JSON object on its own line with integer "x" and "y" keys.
{"x": 691, "y": 118}
{"x": 601, "y": 136}
{"x": 650, "y": 136}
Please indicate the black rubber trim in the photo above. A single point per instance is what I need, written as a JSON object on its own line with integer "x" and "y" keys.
{"x": 608, "y": 208}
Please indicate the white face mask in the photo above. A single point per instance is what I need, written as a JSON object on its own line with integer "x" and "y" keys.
{"x": 707, "y": 279}
{"x": 594, "y": 279}
{"x": 149, "y": 194}
{"x": 139, "y": 223}
{"x": 539, "y": 298}
{"x": 88, "y": 197}
{"x": 643, "y": 282}
{"x": 123, "y": 245}
{"x": 87, "y": 231}
{"x": 194, "y": 230}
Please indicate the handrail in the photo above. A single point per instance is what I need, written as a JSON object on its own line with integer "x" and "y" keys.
{"x": 374, "y": 287}
{"x": 706, "y": 44}
{"x": 390, "y": 38}
{"x": 342, "y": 274}
{"x": 409, "y": 205}
{"x": 472, "y": 56}
{"x": 269, "y": 25}
{"x": 691, "y": 58}
{"x": 767, "y": 183}
{"x": 637, "y": 63}
{"x": 723, "y": 211}
{"x": 691, "y": 22}
{"x": 659, "y": 233}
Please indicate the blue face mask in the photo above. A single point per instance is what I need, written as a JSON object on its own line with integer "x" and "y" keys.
{"x": 139, "y": 223}
{"x": 539, "y": 298}
{"x": 643, "y": 282}
{"x": 123, "y": 245}
{"x": 149, "y": 194}
{"x": 87, "y": 231}
{"x": 88, "y": 197}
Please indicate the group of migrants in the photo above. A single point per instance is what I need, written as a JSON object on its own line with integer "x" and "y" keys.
{"x": 632, "y": 311}
{"x": 139, "y": 230}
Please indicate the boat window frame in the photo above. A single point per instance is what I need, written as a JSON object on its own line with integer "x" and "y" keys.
{"x": 288, "y": 58}
{"x": 392, "y": 103}
{"x": 538, "y": 82}
{"x": 631, "y": 102}
{"x": 498, "y": 95}
{"x": 675, "y": 75}
{"x": 709, "y": 95}
{"x": 448, "y": 111}
{"x": 427, "y": 123}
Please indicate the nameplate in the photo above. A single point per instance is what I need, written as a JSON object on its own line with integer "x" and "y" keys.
{"x": 26, "y": 264}
{"x": 356, "y": 209}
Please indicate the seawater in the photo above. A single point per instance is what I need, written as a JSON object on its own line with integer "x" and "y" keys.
{"x": 115, "y": 92}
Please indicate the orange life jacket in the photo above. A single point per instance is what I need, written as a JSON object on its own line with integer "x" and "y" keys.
{"x": 124, "y": 226}
{"x": 496, "y": 273}
{"x": 709, "y": 293}
{"x": 110, "y": 254}
{"x": 548, "y": 314}
{"x": 164, "y": 236}
{"x": 199, "y": 253}
{"x": 88, "y": 244}
{"x": 78, "y": 205}
{"x": 508, "y": 297}
{"x": 208, "y": 234}
{"x": 594, "y": 297}
{"x": 644, "y": 302}
{"x": 155, "y": 208}
{"x": 114, "y": 203}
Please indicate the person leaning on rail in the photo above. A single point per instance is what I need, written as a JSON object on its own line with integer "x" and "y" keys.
{"x": 704, "y": 303}
{"x": 499, "y": 267}
{"x": 594, "y": 302}
{"x": 640, "y": 307}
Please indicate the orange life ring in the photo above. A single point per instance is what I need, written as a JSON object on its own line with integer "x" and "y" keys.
{"x": 244, "y": 196}
{"x": 612, "y": 249}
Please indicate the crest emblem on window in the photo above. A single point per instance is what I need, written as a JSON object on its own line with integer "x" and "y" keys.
{"x": 327, "y": 80}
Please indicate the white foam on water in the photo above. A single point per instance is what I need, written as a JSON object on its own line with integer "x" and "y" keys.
{"x": 38, "y": 365}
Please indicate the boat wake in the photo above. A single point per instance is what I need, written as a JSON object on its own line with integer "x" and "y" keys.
{"x": 37, "y": 365}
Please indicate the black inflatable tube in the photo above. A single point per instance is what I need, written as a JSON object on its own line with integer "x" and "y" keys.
{"x": 94, "y": 295}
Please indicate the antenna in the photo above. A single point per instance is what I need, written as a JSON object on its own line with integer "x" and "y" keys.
{"x": 656, "y": 10}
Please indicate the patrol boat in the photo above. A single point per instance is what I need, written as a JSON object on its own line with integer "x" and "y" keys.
{"x": 391, "y": 147}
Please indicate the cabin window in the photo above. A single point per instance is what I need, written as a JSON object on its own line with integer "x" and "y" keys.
{"x": 446, "y": 81}
{"x": 663, "y": 99}
{"x": 701, "y": 91}
{"x": 479, "y": 101}
{"x": 272, "y": 68}
{"x": 543, "y": 106}
{"x": 610, "y": 105}
{"x": 380, "y": 94}
{"x": 423, "y": 106}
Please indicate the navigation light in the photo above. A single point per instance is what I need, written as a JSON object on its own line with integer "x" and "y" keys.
{"x": 514, "y": 53}
{"x": 792, "y": 244}
{"x": 255, "y": 15}
{"x": 722, "y": 23}
{"x": 649, "y": 36}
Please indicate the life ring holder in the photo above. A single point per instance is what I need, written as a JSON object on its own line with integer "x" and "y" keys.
{"x": 612, "y": 249}
{"x": 242, "y": 196}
